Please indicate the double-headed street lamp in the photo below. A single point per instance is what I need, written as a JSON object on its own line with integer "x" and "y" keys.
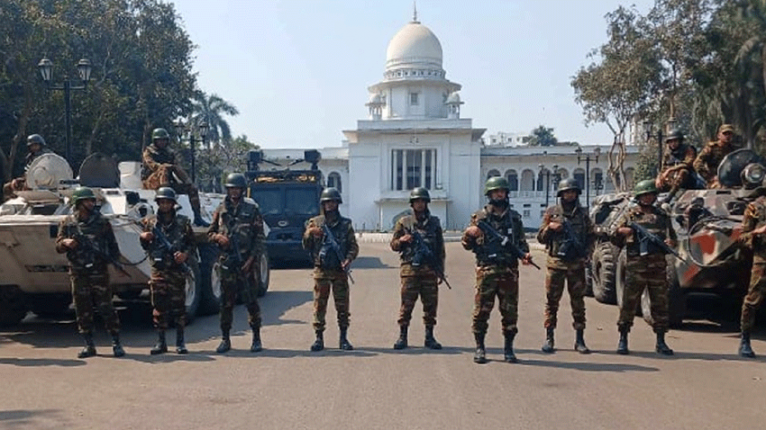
{"x": 83, "y": 70}
{"x": 192, "y": 133}
{"x": 548, "y": 179}
{"x": 649, "y": 127}
{"x": 596, "y": 153}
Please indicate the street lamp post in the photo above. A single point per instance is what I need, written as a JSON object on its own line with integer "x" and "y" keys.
{"x": 596, "y": 153}
{"x": 194, "y": 134}
{"x": 83, "y": 70}
{"x": 547, "y": 181}
{"x": 648, "y": 126}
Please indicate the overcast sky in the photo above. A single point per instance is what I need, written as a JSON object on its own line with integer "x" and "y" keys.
{"x": 298, "y": 70}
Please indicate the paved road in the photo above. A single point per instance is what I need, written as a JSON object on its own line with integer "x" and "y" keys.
{"x": 705, "y": 386}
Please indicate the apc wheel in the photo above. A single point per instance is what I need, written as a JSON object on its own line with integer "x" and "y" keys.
{"x": 264, "y": 276}
{"x": 193, "y": 290}
{"x": 676, "y": 298}
{"x": 603, "y": 273}
{"x": 49, "y": 305}
{"x": 211, "y": 280}
{"x": 13, "y": 308}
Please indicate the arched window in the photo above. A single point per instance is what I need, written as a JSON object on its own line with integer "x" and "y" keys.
{"x": 513, "y": 179}
{"x": 579, "y": 176}
{"x": 333, "y": 180}
{"x": 527, "y": 180}
{"x": 597, "y": 180}
{"x": 492, "y": 173}
{"x": 563, "y": 173}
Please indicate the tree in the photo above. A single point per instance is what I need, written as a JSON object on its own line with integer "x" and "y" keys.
{"x": 543, "y": 136}
{"x": 211, "y": 109}
{"x": 214, "y": 163}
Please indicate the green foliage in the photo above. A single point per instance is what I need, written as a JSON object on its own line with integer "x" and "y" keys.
{"x": 543, "y": 136}
{"x": 214, "y": 163}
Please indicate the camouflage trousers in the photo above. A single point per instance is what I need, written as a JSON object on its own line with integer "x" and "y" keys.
{"x": 163, "y": 177}
{"x": 645, "y": 273}
{"x": 234, "y": 283}
{"x": 755, "y": 295}
{"x": 168, "y": 299}
{"x": 503, "y": 284}
{"x": 574, "y": 275}
{"x": 324, "y": 282}
{"x": 423, "y": 284}
{"x": 91, "y": 292}
{"x": 681, "y": 178}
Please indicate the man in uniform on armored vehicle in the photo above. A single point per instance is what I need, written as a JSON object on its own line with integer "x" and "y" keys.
{"x": 36, "y": 147}
{"x": 677, "y": 170}
{"x": 160, "y": 169}
{"x": 708, "y": 160}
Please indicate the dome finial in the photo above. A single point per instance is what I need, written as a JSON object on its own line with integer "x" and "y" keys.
{"x": 415, "y": 12}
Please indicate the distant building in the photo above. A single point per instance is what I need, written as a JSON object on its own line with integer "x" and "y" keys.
{"x": 506, "y": 139}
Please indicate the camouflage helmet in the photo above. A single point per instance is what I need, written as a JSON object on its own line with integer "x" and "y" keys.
{"x": 568, "y": 184}
{"x": 674, "y": 134}
{"x": 35, "y": 138}
{"x": 329, "y": 194}
{"x": 645, "y": 187}
{"x": 160, "y": 133}
{"x": 235, "y": 180}
{"x": 496, "y": 183}
{"x": 166, "y": 193}
{"x": 419, "y": 193}
{"x": 82, "y": 193}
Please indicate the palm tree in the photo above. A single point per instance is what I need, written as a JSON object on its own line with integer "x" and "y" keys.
{"x": 211, "y": 109}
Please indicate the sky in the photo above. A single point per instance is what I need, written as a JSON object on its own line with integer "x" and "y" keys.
{"x": 298, "y": 70}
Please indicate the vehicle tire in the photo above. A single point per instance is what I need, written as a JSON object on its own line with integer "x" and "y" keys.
{"x": 49, "y": 305}
{"x": 13, "y": 307}
{"x": 211, "y": 280}
{"x": 263, "y": 276}
{"x": 193, "y": 290}
{"x": 603, "y": 272}
{"x": 676, "y": 298}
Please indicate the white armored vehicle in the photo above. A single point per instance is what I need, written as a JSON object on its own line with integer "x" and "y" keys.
{"x": 34, "y": 277}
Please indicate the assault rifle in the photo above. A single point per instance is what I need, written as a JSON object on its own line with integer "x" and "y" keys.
{"x": 645, "y": 238}
{"x": 424, "y": 254}
{"x": 505, "y": 241}
{"x": 89, "y": 250}
{"x": 166, "y": 247}
{"x": 335, "y": 247}
{"x": 571, "y": 242}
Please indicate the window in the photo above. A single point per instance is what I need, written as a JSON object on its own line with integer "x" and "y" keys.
{"x": 269, "y": 201}
{"x": 525, "y": 213}
{"x": 492, "y": 173}
{"x": 414, "y": 99}
{"x": 301, "y": 202}
{"x": 513, "y": 179}
{"x": 412, "y": 168}
{"x": 333, "y": 180}
{"x": 579, "y": 176}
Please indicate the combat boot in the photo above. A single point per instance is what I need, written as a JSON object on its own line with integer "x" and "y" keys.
{"x": 90, "y": 349}
{"x": 198, "y": 221}
{"x": 180, "y": 341}
{"x": 622, "y": 345}
{"x": 344, "y": 344}
{"x": 431, "y": 342}
{"x": 662, "y": 347}
{"x": 318, "y": 344}
{"x": 548, "y": 345}
{"x": 256, "y": 345}
{"x": 744, "y": 346}
{"x": 480, "y": 356}
{"x": 117, "y": 349}
{"x": 401, "y": 343}
{"x": 579, "y": 345}
{"x": 509, "y": 356}
{"x": 161, "y": 346}
{"x": 225, "y": 344}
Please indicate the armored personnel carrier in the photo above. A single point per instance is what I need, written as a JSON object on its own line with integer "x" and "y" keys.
{"x": 33, "y": 277}
{"x": 708, "y": 223}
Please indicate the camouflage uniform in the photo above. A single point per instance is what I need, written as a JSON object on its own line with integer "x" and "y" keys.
{"x": 168, "y": 279}
{"x": 328, "y": 274}
{"x": 645, "y": 272}
{"x": 708, "y": 160}
{"x": 243, "y": 221}
{"x": 569, "y": 267}
{"x": 755, "y": 217}
{"x": 422, "y": 280}
{"x": 154, "y": 175}
{"x": 88, "y": 272}
{"x": 684, "y": 155}
{"x": 18, "y": 184}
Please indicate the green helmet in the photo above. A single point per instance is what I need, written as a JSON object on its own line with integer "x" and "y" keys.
{"x": 674, "y": 134}
{"x": 329, "y": 194}
{"x": 82, "y": 193}
{"x": 165, "y": 193}
{"x": 35, "y": 138}
{"x": 160, "y": 133}
{"x": 235, "y": 180}
{"x": 496, "y": 183}
{"x": 566, "y": 185}
{"x": 645, "y": 187}
{"x": 420, "y": 193}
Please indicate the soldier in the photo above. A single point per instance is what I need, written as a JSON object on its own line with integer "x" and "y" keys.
{"x": 753, "y": 230}
{"x": 36, "y": 147}
{"x": 644, "y": 271}
{"x": 706, "y": 163}
{"x": 332, "y": 254}
{"x": 422, "y": 259}
{"x": 237, "y": 228}
{"x": 89, "y": 242}
{"x": 161, "y": 170}
{"x": 169, "y": 269}
{"x": 568, "y": 235}
{"x": 677, "y": 169}
{"x": 497, "y": 268}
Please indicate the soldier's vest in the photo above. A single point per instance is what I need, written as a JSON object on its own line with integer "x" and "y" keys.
{"x": 656, "y": 223}
{"x": 492, "y": 251}
{"x": 237, "y": 223}
{"x": 161, "y": 156}
{"x": 160, "y": 257}
{"x": 92, "y": 249}
{"x": 578, "y": 224}
{"x": 428, "y": 230}
{"x": 325, "y": 257}
{"x": 674, "y": 157}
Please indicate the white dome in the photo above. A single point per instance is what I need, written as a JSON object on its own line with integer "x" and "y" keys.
{"x": 414, "y": 45}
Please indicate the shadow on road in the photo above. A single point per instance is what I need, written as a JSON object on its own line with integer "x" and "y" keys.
{"x": 22, "y": 418}
{"x": 363, "y": 262}
{"x": 34, "y": 362}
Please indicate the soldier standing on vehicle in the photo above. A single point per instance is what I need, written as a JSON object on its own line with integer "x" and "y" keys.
{"x": 677, "y": 170}
{"x": 753, "y": 235}
{"x": 497, "y": 268}
{"x": 237, "y": 228}
{"x": 89, "y": 242}
{"x": 419, "y": 240}
{"x": 36, "y": 147}
{"x": 160, "y": 169}
{"x": 708, "y": 160}
{"x": 646, "y": 271}
{"x": 568, "y": 235}
{"x": 330, "y": 239}
{"x": 169, "y": 269}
